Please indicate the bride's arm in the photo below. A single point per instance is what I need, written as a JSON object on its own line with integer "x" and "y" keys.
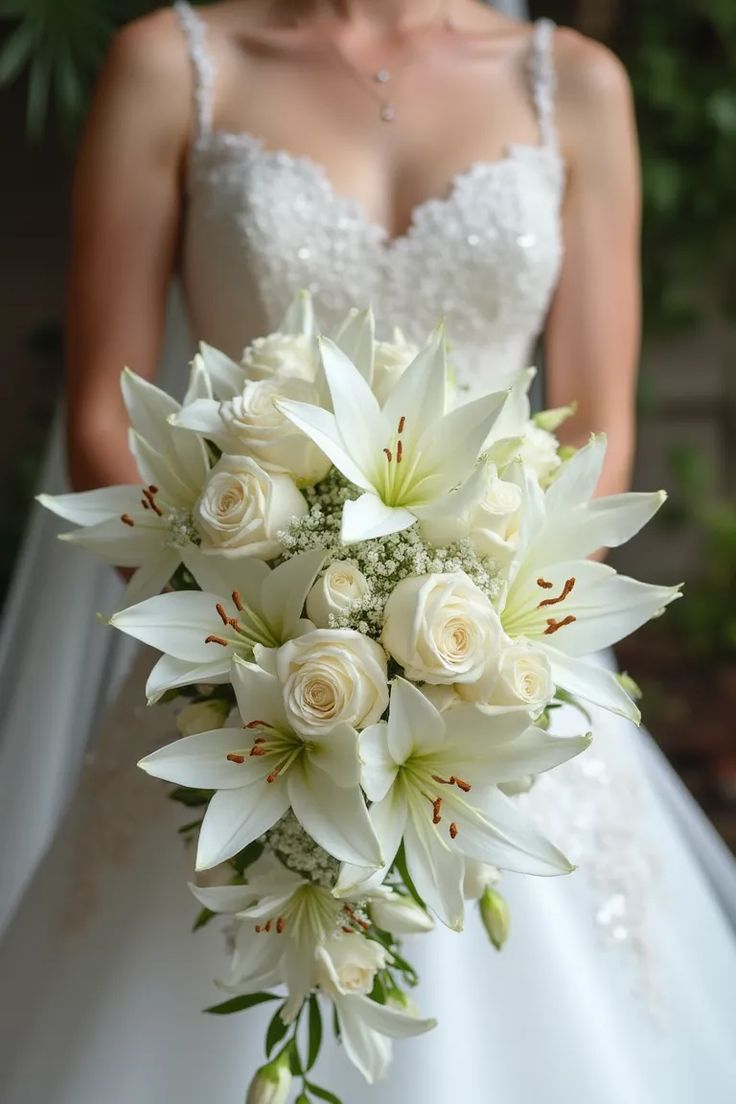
{"x": 592, "y": 337}
{"x": 126, "y": 210}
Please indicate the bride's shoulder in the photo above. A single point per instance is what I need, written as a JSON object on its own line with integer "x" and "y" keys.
{"x": 591, "y": 79}
{"x": 594, "y": 104}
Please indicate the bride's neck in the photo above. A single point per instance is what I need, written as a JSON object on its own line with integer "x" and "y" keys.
{"x": 387, "y": 14}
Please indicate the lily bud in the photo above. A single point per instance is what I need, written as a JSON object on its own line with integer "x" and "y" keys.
{"x": 271, "y": 1083}
{"x": 494, "y": 912}
{"x": 631, "y": 687}
{"x": 552, "y": 419}
{"x": 202, "y": 716}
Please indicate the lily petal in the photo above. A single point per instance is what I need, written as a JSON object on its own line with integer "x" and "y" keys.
{"x": 337, "y": 818}
{"x": 235, "y": 818}
{"x": 369, "y": 517}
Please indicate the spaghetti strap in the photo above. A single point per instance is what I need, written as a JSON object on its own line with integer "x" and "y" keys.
{"x": 544, "y": 79}
{"x": 195, "y": 33}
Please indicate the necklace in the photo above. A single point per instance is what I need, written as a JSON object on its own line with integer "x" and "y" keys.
{"x": 374, "y": 83}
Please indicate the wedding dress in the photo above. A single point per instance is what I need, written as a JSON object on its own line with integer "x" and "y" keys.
{"x": 618, "y": 983}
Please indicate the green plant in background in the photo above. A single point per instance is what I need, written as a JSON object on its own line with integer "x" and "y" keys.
{"x": 58, "y": 45}
{"x": 681, "y": 57}
{"x": 707, "y": 621}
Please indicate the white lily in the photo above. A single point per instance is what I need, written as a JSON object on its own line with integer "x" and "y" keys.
{"x": 144, "y": 527}
{"x": 433, "y": 780}
{"x": 264, "y": 768}
{"x": 569, "y": 605}
{"x": 282, "y": 920}
{"x": 404, "y": 455}
{"x": 346, "y": 968}
{"x": 242, "y": 603}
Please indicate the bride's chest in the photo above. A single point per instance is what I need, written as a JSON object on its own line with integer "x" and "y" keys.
{"x": 486, "y": 254}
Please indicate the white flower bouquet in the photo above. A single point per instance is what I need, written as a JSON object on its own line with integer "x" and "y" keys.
{"x": 375, "y": 599}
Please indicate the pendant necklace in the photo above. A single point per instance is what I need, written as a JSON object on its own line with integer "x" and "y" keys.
{"x": 375, "y": 82}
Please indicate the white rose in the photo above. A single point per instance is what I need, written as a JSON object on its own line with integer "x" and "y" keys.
{"x": 331, "y": 677}
{"x": 338, "y": 589}
{"x": 539, "y": 452}
{"x": 520, "y": 678}
{"x": 255, "y": 426}
{"x": 478, "y": 876}
{"x": 281, "y": 354}
{"x": 390, "y": 361}
{"x": 441, "y": 628}
{"x": 347, "y": 964}
{"x": 242, "y": 508}
{"x": 494, "y": 522}
{"x": 202, "y": 716}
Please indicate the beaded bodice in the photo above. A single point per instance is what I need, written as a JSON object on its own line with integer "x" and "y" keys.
{"x": 262, "y": 224}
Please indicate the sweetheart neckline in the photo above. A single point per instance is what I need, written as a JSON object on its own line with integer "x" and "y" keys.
{"x": 514, "y": 151}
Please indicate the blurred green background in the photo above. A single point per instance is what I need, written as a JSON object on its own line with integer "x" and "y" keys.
{"x": 682, "y": 61}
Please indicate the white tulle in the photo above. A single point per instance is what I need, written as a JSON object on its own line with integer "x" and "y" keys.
{"x": 617, "y": 984}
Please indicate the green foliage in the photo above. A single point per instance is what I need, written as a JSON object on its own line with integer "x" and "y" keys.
{"x": 239, "y": 1004}
{"x": 681, "y": 57}
{"x": 706, "y": 622}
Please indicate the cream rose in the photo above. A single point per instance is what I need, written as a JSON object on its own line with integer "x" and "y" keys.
{"x": 242, "y": 509}
{"x": 494, "y": 522}
{"x": 281, "y": 354}
{"x": 254, "y": 425}
{"x": 521, "y": 678}
{"x": 336, "y": 591}
{"x": 442, "y": 629}
{"x": 390, "y": 361}
{"x": 539, "y": 452}
{"x": 347, "y": 964}
{"x": 331, "y": 677}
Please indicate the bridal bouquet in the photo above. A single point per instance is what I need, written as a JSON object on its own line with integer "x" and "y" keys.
{"x": 375, "y": 599}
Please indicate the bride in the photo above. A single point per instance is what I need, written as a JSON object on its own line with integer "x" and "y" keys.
{"x": 431, "y": 157}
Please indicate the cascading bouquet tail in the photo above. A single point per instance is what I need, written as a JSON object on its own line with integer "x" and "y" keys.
{"x": 376, "y": 598}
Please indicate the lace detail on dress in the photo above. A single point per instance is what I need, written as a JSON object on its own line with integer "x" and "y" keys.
{"x": 195, "y": 33}
{"x": 595, "y": 809}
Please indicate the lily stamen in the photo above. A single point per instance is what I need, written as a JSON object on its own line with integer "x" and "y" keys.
{"x": 545, "y": 584}
{"x": 453, "y": 830}
{"x": 234, "y": 757}
{"x": 567, "y": 588}
{"x": 148, "y": 494}
{"x": 436, "y": 807}
{"x": 453, "y": 780}
{"x": 237, "y": 602}
{"x": 399, "y": 451}
{"x": 553, "y": 626}
{"x": 280, "y": 925}
{"x": 388, "y": 454}
{"x": 221, "y": 613}
{"x": 355, "y": 918}
{"x": 215, "y": 640}
{"x": 126, "y": 519}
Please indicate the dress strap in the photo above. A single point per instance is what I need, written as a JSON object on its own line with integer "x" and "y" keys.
{"x": 544, "y": 79}
{"x": 195, "y": 33}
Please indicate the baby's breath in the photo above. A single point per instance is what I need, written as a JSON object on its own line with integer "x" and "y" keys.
{"x": 299, "y": 853}
{"x": 384, "y": 561}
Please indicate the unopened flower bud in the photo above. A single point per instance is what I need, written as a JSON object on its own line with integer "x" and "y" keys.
{"x": 494, "y": 912}
{"x": 202, "y": 716}
{"x": 553, "y": 419}
{"x": 271, "y": 1083}
{"x": 631, "y": 687}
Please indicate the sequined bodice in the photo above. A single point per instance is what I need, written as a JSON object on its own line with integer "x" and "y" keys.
{"x": 262, "y": 224}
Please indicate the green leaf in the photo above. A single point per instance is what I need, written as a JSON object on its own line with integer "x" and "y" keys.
{"x": 16, "y": 52}
{"x": 295, "y": 1061}
{"x": 190, "y": 827}
{"x": 203, "y": 918}
{"x": 247, "y": 857}
{"x": 315, "y": 1031}
{"x": 569, "y": 699}
{"x": 277, "y": 1029}
{"x": 193, "y": 799}
{"x": 239, "y": 1004}
{"x": 323, "y": 1094}
{"x": 303, "y": 1099}
{"x": 400, "y": 864}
